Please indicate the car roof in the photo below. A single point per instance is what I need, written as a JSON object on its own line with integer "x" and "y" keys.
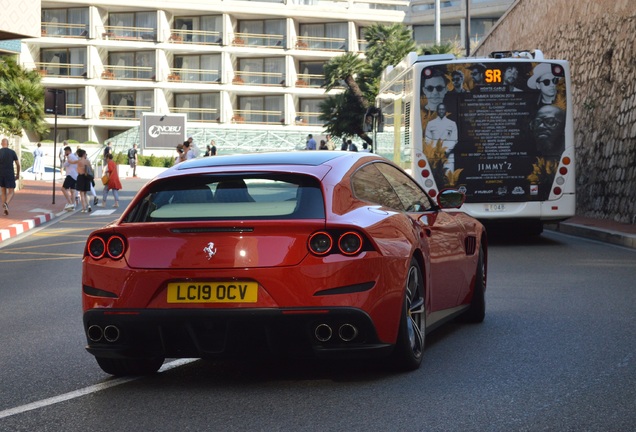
{"x": 309, "y": 158}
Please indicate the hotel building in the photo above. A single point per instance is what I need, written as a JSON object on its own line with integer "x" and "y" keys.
{"x": 245, "y": 73}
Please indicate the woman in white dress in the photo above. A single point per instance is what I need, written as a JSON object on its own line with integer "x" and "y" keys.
{"x": 38, "y": 163}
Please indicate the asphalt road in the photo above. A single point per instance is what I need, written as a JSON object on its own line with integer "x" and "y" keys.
{"x": 556, "y": 352}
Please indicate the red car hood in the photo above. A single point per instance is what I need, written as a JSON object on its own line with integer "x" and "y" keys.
{"x": 217, "y": 245}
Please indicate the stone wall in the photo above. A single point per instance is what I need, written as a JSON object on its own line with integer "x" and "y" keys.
{"x": 598, "y": 38}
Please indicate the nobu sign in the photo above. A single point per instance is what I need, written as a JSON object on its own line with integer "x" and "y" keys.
{"x": 162, "y": 131}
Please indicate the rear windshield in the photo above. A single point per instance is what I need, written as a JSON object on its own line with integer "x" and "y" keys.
{"x": 228, "y": 197}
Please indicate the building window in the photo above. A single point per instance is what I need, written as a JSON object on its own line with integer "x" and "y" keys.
{"x": 263, "y": 33}
{"x": 203, "y": 30}
{"x": 198, "y": 106}
{"x": 261, "y": 109}
{"x": 130, "y": 104}
{"x": 329, "y": 36}
{"x": 71, "y": 22}
{"x": 262, "y": 71}
{"x": 77, "y": 134}
{"x": 311, "y": 74}
{"x": 133, "y": 25}
{"x": 65, "y": 62}
{"x": 308, "y": 112}
{"x": 138, "y": 65}
{"x": 198, "y": 68}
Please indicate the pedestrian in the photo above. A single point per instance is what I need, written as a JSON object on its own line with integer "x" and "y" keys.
{"x": 188, "y": 149}
{"x": 108, "y": 150}
{"x": 365, "y": 148}
{"x": 330, "y": 144}
{"x": 132, "y": 159}
{"x": 180, "y": 154}
{"x": 113, "y": 184}
{"x": 351, "y": 146}
{"x": 38, "y": 162}
{"x": 211, "y": 149}
{"x": 70, "y": 182}
{"x": 8, "y": 157}
{"x": 85, "y": 176}
{"x": 323, "y": 145}
{"x": 62, "y": 156}
{"x": 311, "y": 143}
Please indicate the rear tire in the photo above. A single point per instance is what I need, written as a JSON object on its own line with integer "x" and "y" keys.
{"x": 130, "y": 366}
{"x": 477, "y": 310}
{"x": 409, "y": 347}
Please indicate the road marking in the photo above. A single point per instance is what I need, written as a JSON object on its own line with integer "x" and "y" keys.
{"x": 86, "y": 390}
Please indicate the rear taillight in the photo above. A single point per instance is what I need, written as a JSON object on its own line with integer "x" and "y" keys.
{"x": 348, "y": 243}
{"x": 113, "y": 247}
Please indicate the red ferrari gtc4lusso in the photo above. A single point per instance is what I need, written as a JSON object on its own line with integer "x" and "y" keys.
{"x": 314, "y": 254}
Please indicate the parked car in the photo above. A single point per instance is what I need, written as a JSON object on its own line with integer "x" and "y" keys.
{"x": 48, "y": 174}
{"x": 326, "y": 254}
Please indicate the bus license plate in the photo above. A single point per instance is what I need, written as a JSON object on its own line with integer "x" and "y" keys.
{"x": 212, "y": 292}
{"x": 495, "y": 207}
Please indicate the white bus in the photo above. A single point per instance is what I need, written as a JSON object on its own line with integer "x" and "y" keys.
{"x": 498, "y": 128}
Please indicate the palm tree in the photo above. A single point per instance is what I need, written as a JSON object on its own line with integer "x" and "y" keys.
{"x": 21, "y": 99}
{"x": 344, "y": 115}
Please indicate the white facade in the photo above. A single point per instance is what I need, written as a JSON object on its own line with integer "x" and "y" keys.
{"x": 239, "y": 70}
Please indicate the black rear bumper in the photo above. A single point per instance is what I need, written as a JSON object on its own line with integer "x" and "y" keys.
{"x": 223, "y": 333}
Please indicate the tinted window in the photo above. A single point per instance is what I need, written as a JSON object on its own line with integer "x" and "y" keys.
{"x": 240, "y": 197}
{"x": 410, "y": 194}
{"x": 369, "y": 184}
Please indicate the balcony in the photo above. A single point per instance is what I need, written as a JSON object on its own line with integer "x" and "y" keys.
{"x": 306, "y": 118}
{"x": 310, "y": 80}
{"x": 321, "y": 43}
{"x": 259, "y": 78}
{"x": 122, "y": 112}
{"x": 60, "y": 70}
{"x": 199, "y": 114}
{"x": 258, "y": 117}
{"x": 199, "y": 37}
{"x": 72, "y": 111}
{"x": 65, "y": 30}
{"x": 203, "y": 76}
{"x": 135, "y": 73}
{"x": 122, "y": 33}
{"x": 259, "y": 40}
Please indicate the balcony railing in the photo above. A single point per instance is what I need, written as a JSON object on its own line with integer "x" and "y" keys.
{"x": 199, "y": 114}
{"x": 122, "y": 112}
{"x": 259, "y": 78}
{"x": 194, "y": 75}
{"x": 123, "y": 33}
{"x": 321, "y": 43}
{"x": 50, "y": 29}
{"x": 259, "y": 40}
{"x": 310, "y": 80}
{"x": 196, "y": 37}
{"x": 61, "y": 70}
{"x": 72, "y": 111}
{"x": 138, "y": 73}
{"x": 307, "y": 118}
{"x": 258, "y": 117}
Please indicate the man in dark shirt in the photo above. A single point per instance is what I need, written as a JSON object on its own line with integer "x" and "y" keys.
{"x": 7, "y": 177}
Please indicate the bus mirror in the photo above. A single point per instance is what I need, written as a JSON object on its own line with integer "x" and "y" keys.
{"x": 450, "y": 198}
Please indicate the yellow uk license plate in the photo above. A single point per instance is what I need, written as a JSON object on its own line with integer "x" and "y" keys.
{"x": 212, "y": 292}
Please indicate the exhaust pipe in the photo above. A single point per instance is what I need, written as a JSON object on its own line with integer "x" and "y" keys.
{"x": 95, "y": 333}
{"x": 347, "y": 332}
{"x": 111, "y": 333}
{"x": 323, "y": 332}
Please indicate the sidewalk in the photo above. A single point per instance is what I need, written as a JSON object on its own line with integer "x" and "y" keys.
{"x": 33, "y": 206}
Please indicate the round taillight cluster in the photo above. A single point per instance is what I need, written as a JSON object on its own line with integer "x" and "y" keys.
{"x": 112, "y": 247}
{"x": 349, "y": 243}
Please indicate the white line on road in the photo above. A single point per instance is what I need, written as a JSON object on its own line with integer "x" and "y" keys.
{"x": 86, "y": 390}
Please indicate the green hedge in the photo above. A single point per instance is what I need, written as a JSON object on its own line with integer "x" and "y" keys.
{"x": 149, "y": 161}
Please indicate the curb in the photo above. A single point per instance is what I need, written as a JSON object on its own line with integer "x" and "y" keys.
{"x": 603, "y": 235}
{"x": 18, "y": 228}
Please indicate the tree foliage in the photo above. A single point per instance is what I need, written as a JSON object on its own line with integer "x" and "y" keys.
{"x": 21, "y": 99}
{"x": 344, "y": 113}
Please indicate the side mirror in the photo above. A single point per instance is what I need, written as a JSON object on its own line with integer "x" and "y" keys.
{"x": 450, "y": 198}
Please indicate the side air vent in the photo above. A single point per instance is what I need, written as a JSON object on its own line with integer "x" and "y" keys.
{"x": 470, "y": 244}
